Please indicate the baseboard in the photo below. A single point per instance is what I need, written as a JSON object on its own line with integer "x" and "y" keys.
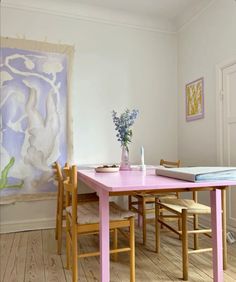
{"x": 25, "y": 225}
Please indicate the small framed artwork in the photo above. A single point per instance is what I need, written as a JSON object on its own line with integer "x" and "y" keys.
{"x": 194, "y": 95}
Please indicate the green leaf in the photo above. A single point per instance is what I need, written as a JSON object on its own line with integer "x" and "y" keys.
{"x": 4, "y": 174}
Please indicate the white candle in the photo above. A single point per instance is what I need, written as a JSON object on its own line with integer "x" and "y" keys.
{"x": 142, "y": 155}
{"x": 142, "y": 167}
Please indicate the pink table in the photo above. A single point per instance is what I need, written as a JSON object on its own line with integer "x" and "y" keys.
{"x": 126, "y": 182}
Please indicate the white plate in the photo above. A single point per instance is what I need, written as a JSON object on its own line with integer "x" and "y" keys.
{"x": 107, "y": 169}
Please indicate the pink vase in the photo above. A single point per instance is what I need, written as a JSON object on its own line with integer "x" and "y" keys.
{"x": 125, "y": 165}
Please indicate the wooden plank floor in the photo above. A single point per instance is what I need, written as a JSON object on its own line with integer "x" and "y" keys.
{"x": 31, "y": 257}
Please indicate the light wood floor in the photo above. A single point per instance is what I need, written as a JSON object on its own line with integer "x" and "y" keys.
{"x": 31, "y": 256}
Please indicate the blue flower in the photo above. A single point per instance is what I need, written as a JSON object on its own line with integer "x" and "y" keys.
{"x": 123, "y": 124}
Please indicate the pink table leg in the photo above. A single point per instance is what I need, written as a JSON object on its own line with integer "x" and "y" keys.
{"x": 216, "y": 225}
{"x": 104, "y": 236}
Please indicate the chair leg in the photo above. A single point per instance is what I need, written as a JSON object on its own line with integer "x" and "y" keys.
{"x": 129, "y": 202}
{"x": 115, "y": 244}
{"x": 59, "y": 235}
{"x": 157, "y": 227}
{"x": 144, "y": 221}
{"x": 132, "y": 250}
{"x": 59, "y": 226}
{"x": 74, "y": 254}
{"x": 180, "y": 227}
{"x": 68, "y": 244}
{"x": 179, "y": 219}
{"x": 185, "y": 244}
{"x": 140, "y": 213}
{"x": 56, "y": 230}
{"x": 195, "y": 226}
{"x": 224, "y": 228}
{"x": 161, "y": 214}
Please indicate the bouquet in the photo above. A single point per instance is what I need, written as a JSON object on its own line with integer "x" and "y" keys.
{"x": 123, "y": 124}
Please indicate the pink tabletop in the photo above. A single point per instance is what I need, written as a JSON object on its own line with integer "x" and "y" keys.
{"x": 140, "y": 180}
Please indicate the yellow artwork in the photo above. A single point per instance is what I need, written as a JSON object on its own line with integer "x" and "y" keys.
{"x": 195, "y": 100}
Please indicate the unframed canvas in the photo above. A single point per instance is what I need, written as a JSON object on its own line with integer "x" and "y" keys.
{"x": 35, "y": 126}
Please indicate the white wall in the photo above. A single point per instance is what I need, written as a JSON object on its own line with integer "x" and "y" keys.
{"x": 115, "y": 67}
{"x": 208, "y": 40}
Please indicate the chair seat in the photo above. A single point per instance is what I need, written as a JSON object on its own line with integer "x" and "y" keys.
{"x": 151, "y": 197}
{"x": 88, "y": 213}
{"x": 178, "y": 204}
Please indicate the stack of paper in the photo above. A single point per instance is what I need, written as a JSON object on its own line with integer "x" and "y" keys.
{"x": 198, "y": 173}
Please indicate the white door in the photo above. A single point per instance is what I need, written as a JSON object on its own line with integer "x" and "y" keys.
{"x": 229, "y": 133}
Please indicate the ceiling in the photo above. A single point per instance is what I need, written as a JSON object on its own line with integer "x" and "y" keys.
{"x": 173, "y": 10}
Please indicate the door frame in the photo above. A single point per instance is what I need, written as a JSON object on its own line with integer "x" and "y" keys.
{"x": 219, "y": 119}
{"x": 219, "y": 107}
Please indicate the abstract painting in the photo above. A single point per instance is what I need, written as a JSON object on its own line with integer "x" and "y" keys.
{"x": 34, "y": 117}
{"x": 195, "y": 99}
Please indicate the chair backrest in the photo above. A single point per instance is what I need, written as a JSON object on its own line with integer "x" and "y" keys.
{"x": 57, "y": 171}
{"x": 70, "y": 186}
{"x": 170, "y": 163}
{"x": 66, "y": 170}
{"x": 58, "y": 176}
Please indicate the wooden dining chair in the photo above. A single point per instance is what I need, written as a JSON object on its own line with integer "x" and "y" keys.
{"x": 181, "y": 209}
{"x": 184, "y": 209}
{"x": 60, "y": 208}
{"x": 144, "y": 204}
{"x": 83, "y": 218}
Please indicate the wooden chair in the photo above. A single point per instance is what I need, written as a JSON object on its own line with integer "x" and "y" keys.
{"x": 184, "y": 209}
{"x": 143, "y": 204}
{"x": 60, "y": 210}
{"x": 83, "y": 218}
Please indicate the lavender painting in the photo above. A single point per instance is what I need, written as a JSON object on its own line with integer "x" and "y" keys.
{"x": 33, "y": 119}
